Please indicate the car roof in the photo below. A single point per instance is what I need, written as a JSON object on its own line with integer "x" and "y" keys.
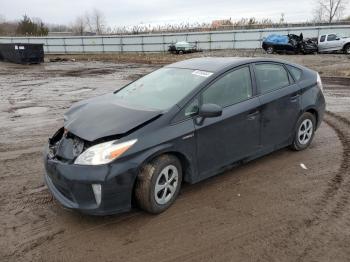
{"x": 215, "y": 64}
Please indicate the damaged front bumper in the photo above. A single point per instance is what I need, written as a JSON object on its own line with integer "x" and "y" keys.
{"x": 73, "y": 185}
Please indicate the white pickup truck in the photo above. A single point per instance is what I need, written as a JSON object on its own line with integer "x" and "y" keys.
{"x": 332, "y": 43}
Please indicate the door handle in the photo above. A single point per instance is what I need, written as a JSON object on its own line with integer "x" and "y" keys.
{"x": 253, "y": 115}
{"x": 294, "y": 98}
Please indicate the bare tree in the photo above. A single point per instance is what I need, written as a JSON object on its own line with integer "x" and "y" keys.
{"x": 282, "y": 18}
{"x": 98, "y": 21}
{"x": 2, "y": 21}
{"x": 79, "y": 25}
{"x": 95, "y": 21}
{"x": 88, "y": 22}
{"x": 329, "y": 10}
{"x": 318, "y": 14}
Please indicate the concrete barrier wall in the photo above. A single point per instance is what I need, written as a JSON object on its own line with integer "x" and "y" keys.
{"x": 234, "y": 39}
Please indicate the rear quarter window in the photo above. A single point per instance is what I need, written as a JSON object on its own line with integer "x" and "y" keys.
{"x": 296, "y": 72}
{"x": 322, "y": 38}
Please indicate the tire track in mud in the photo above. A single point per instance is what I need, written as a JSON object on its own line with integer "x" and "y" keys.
{"x": 33, "y": 201}
{"x": 45, "y": 237}
{"x": 26, "y": 246}
{"x": 31, "y": 204}
{"x": 38, "y": 199}
{"x": 333, "y": 202}
{"x": 340, "y": 183}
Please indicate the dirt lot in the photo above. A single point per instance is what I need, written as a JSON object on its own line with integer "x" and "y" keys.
{"x": 332, "y": 65}
{"x": 268, "y": 210}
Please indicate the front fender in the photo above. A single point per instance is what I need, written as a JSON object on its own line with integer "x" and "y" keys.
{"x": 186, "y": 157}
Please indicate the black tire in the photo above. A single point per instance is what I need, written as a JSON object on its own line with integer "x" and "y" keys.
{"x": 297, "y": 145}
{"x": 270, "y": 50}
{"x": 181, "y": 52}
{"x": 347, "y": 49}
{"x": 146, "y": 183}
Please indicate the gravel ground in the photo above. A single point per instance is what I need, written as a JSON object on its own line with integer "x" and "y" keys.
{"x": 270, "y": 209}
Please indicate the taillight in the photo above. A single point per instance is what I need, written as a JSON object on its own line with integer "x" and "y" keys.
{"x": 319, "y": 82}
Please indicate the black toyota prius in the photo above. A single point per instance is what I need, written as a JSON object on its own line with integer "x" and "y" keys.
{"x": 182, "y": 123}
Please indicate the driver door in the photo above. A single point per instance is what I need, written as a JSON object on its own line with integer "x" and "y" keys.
{"x": 333, "y": 42}
{"x": 235, "y": 134}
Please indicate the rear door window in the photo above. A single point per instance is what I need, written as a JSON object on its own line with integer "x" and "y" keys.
{"x": 271, "y": 77}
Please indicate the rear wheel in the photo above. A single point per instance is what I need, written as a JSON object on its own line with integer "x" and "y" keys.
{"x": 158, "y": 184}
{"x": 270, "y": 50}
{"x": 304, "y": 131}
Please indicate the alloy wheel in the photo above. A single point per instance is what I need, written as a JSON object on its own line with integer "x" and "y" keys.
{"x": 166, "y": 185}
{"x": 269, "y": 50}
{"x": 305, "y": 131}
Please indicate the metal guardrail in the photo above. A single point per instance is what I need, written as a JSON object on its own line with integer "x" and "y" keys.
{"x": 211, "y": 40}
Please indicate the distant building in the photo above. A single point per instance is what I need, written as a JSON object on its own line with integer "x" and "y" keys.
{"x": 220, "y": 23}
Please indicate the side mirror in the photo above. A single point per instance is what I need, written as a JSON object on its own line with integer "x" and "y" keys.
{"x": 337, "y": 38}
{"x": 210, "y": 110}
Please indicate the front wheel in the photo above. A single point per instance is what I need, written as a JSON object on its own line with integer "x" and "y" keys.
{"x": 347, "y": 49}
{"x": 304, "y": 131}
{"x": 158, "y": 184}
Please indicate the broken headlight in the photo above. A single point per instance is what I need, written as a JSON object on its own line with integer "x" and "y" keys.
{"x": 103, "y": 153}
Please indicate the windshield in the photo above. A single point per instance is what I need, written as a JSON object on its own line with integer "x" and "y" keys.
{"x": 162, "y": 88}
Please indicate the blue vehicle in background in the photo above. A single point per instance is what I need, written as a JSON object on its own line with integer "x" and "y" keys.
{"x": 290, "y": 43}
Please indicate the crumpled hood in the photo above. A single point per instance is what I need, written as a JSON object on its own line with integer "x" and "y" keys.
{"x": 103, "y": 116}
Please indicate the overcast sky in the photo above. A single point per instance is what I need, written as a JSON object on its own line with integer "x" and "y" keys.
{"x": 132, "y": 12}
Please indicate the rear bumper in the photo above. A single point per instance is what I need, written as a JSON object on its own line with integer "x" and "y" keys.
{"x": 71, "y": 185}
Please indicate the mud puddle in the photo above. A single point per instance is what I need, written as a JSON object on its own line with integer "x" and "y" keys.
{"x": 79, "y": 91}
{"x": 31, "y": 110}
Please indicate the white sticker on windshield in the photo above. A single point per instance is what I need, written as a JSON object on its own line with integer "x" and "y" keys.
{"x": 202, "y": 73}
